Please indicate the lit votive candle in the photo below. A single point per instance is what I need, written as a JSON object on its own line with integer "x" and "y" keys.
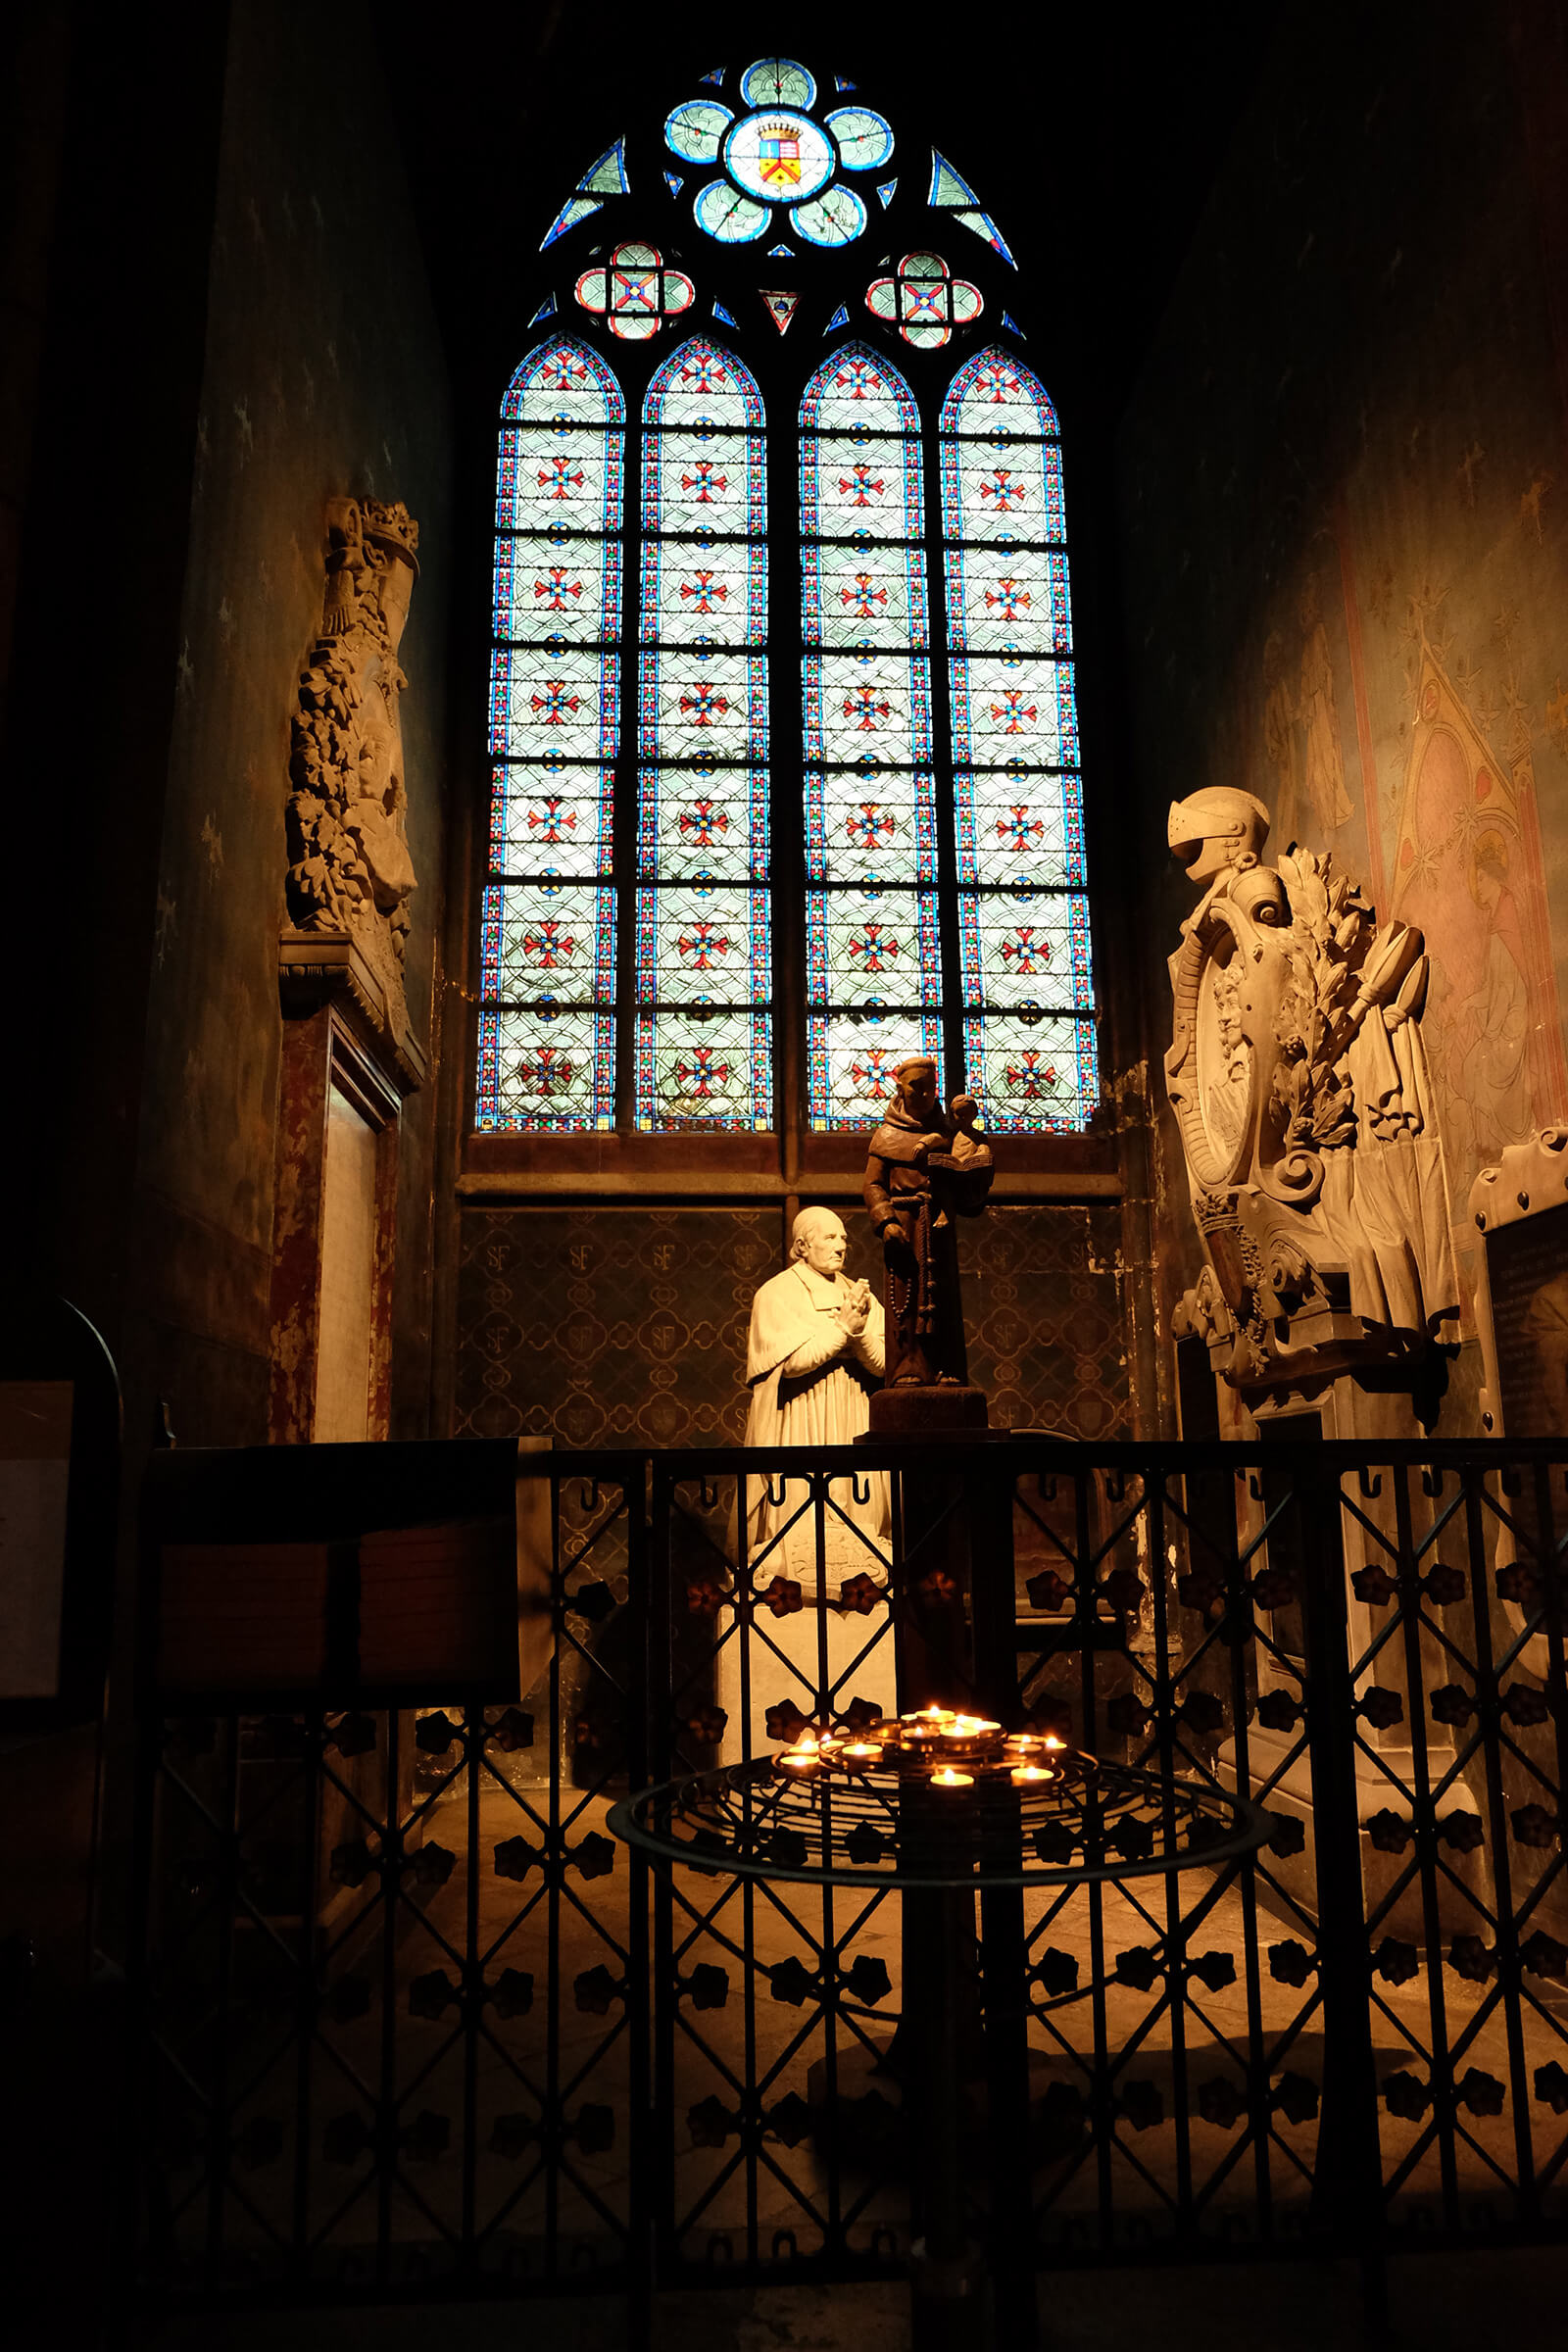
{"x": 859, "y": 1756}
{"x": 1053, "y": 1744}
{"x": 946, "y": 1778}
{"x": 929, "y": 1718}
{"x": 1030, "y": 1775}
{"x": 802, "y": 1760}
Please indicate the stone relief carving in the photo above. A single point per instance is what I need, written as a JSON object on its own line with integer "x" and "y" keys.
{"x": 350, "y": 872}
{"x": 1300, "y": 1081}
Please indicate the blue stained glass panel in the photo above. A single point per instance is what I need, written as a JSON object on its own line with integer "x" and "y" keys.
{"x": 1012, "y": 708}
{"x": 876, "y": 829}
{"x": 548, "y": 1069}
{"x": 871, "y": 709}
{"x": 1003, "y": 489}
{"x": 1025, "y": 948}
{"x": 873, "y": 963}
{"x": 704, "y": 941}
{"x": 547, "y": 928}
{"x": 702, "y": 823}
{"x": 697, "y": 704}
{"x": 696, "y": 478}
{"x": 703, "y": 595}
{"x": 1007, "y": 600}
{"x": 557, "y": 588}
{"x": 555, "y": 477}
{"x": 555, "y": 819}
{"x": 864, "y": 595}
{"x": 564, "y": 382}
{"x": 1017, "y": 831}
{"x": 704, "y": 1069}
{"x": 562, "y": 703}
{"x": 851, "y": 1057}
{"x": 547, "y": 939}
{"x": 856, "y": 486}
{"x": 855, "y": 389}
{"x": 1034, "y": 1074}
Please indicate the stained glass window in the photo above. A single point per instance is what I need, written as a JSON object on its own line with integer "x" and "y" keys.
{"x": 633, "y": 928}
{"x": 704, "y": 1052}
{"x": 1023, "y": 915}
{"x": 873, "y": 977}
{"x": 546, "y": 1047}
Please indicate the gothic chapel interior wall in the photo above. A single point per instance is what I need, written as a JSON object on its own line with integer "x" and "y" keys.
{"x": 1346, "y": 541}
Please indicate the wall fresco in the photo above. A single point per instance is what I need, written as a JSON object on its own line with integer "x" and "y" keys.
{"x": 1355, "y": 412}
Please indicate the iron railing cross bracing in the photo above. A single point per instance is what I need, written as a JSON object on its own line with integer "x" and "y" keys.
{"x": 409, "y": 2019}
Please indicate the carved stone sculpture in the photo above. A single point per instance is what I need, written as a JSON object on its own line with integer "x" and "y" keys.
{"x": 350, "y": 875}
{"x": 925, "y": 1167}
{"x": 815, "y": 1354}
{"x": 1299, "y": 1077}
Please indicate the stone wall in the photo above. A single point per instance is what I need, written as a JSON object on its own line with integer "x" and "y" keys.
{"x": 323, "y": 378}
{"x": 1344, "y": 496}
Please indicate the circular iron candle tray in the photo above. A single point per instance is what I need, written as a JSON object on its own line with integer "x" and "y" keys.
{"x": 831, "y": 1813}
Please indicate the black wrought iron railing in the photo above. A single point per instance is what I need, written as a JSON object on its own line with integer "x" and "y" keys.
{"x": 409, "y": 2018}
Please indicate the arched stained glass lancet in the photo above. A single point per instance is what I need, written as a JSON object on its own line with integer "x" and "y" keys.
{"x": 547, "y": 1046}
{"x": 873, "y": 977}
{"x": 1023, "y": 915}
{"x": 704, "y": 937}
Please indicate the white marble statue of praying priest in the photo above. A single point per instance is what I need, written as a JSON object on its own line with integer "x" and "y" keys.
{"x": 816, "y": 1351}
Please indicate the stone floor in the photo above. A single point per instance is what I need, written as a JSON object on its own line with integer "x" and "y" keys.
{"x": 1438, "y": 2303}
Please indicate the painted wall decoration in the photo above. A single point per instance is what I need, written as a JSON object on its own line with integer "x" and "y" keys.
{"x": 627, "y": 1325}
{"x": 1348, "y": 564}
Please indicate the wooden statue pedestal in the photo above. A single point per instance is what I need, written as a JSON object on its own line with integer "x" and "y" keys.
{"x": 945, "y": 1411}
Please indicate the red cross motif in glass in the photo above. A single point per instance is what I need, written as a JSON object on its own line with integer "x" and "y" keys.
{"x": 702, "y": 1077}
{"x": 556, "y": 478}
{"x": 1007, "y": 600}
{"x": 560, "y": 375}
{"x": 556, "y": 703}
{"x": 1012, "y": 712}
{"x": 557, "y": 822}
{"x": 548, "y": 1074}
{"x": 1028, "y": 950}
{"x": 700, "y": 591}
{"x": 995, "y": 384}
{"x": 703, "y": 945}
{"x": 702, "y": 704}
{"x": 873, "y": 1073}
{"x": 871, "y": 826}
{"x": 555, "y": 589}
{"x": 701, "y": 824}
{"x": 705, "y": 481}
{"x": 863, "y": 710}
{"x": 1017, "y": 829}
{"x": 874, "y": 947}
{"x": 1005, "y": 490}
{"x": 864, "y": 596}
{"x": 861, "y": 490}
{"x": 858, "y": 378}
{"x": 706, "y": 373}
{"x": 548, "y": 947}
{"x": 1031, "y": 1076}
